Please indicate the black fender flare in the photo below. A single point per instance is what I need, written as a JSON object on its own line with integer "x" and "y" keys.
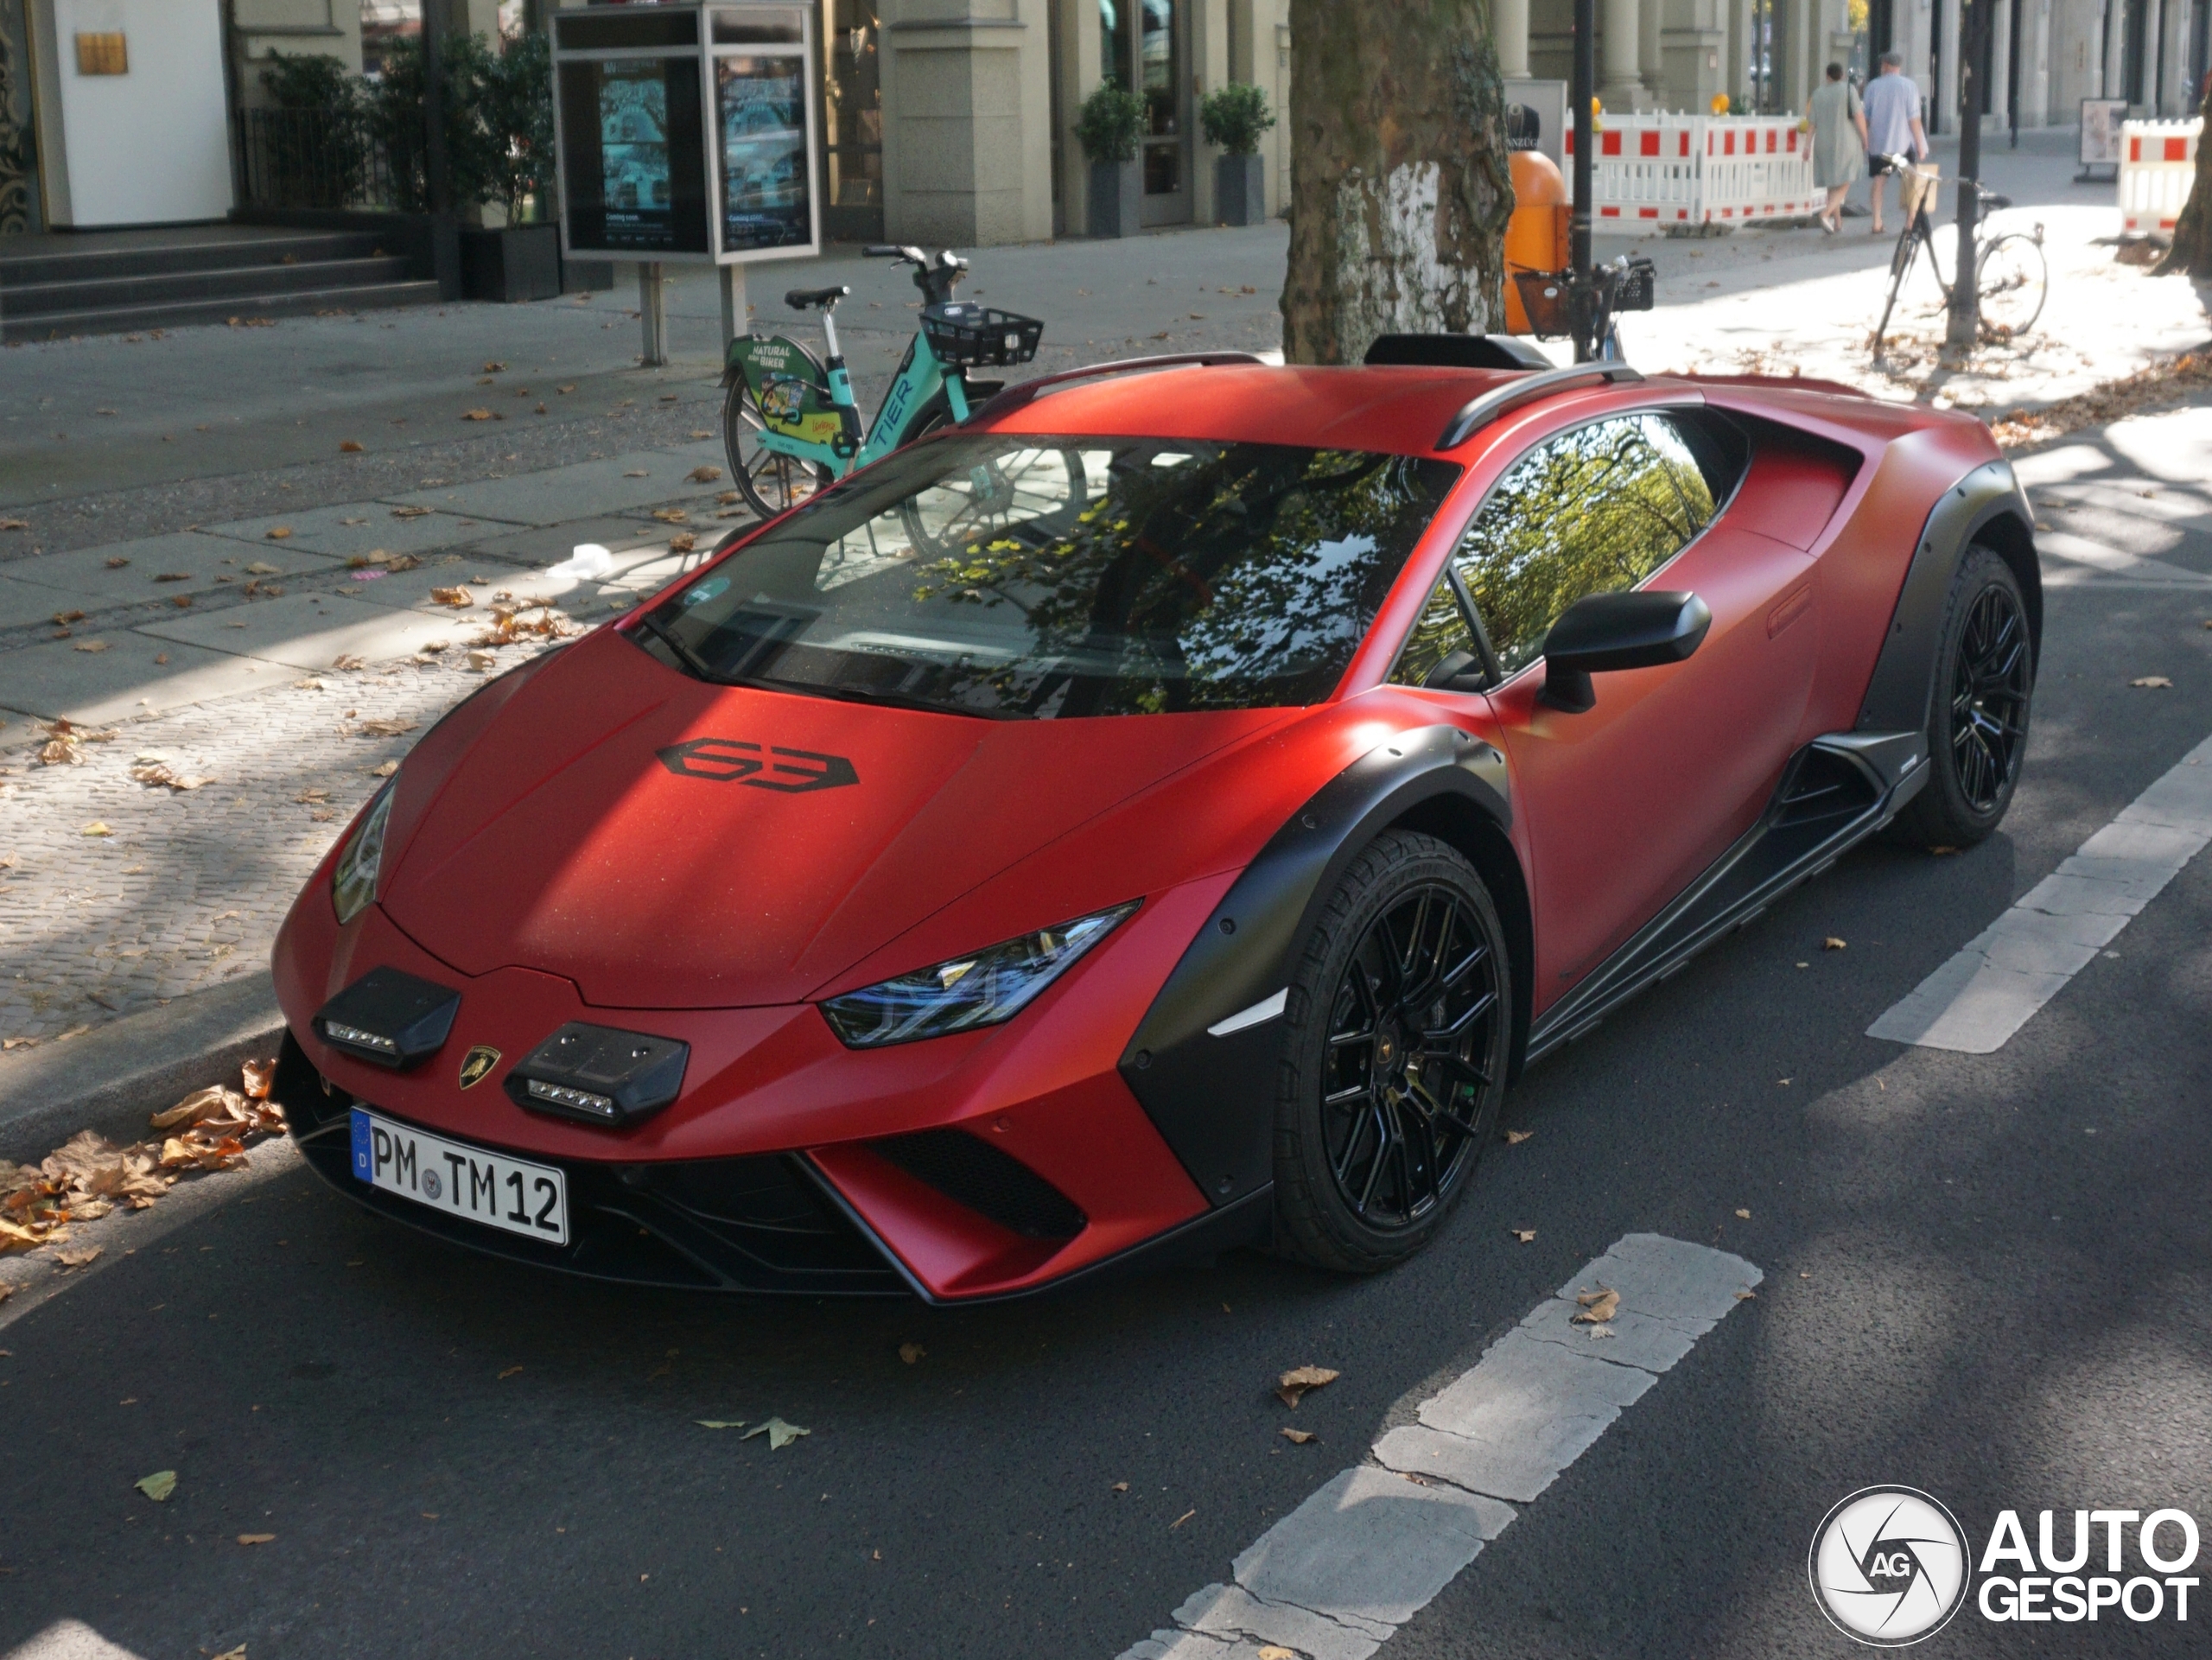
{"x": 1904, "y": 681}
{"x": 1211, "y": 1092}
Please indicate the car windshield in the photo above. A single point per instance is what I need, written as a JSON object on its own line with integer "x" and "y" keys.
{"x": 1040, "y": 578}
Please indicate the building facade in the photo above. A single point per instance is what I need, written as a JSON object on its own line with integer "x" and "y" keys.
{"x": 2044, "y": 55}
{"x": 950, "y": 121}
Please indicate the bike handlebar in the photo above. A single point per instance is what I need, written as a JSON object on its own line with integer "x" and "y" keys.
{"x": 1983, "y": 194}
{"x": 936, "y": 278}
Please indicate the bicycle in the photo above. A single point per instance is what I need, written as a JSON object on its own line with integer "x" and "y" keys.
{"x": 2011, "y": 278}
{"x": 789, "y": 422}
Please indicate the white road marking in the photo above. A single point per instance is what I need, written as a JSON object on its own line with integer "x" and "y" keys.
{"x": 2085, "y": 564}
{"x": 1334, "y": 1579}
{"x": 1977, "y": 1000}
{"x": 1258, "y": 1014}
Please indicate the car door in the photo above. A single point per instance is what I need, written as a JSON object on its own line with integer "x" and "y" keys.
{"x": 1627, "y": 802}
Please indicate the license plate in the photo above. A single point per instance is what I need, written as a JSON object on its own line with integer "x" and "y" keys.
{"x": 462, "y": 1180}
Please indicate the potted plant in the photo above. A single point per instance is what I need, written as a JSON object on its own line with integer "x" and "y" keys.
{"x": 506, "y": 160}
{"x": 1106, "y": 125}
{"x": 1234, "y": 117}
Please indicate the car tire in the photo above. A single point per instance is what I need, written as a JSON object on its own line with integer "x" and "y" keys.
{"x": 1984, "y": 684}
{"x": 1377, "y": 1135}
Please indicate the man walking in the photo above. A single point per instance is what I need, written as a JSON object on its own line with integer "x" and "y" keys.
{"x": 1892, "y": 104}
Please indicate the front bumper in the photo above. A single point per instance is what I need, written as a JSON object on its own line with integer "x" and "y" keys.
{"x": 980, "y": 1166}
{"x": 750, "y": 1224}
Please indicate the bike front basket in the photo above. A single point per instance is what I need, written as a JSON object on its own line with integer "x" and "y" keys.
{"x": 961, "y": 332}
{"x": 1919, "y": 186}
{"x": 1543, "y": 296}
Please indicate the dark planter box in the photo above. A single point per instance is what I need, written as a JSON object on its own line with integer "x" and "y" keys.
{"x": 521, "y": 261}
{"x": 1116, "y": 196}
{"x": 1239, "y": 189}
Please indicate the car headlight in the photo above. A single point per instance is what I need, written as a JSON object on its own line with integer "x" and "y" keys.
{"x": 354, "y": 884}
{"x": 983, "y": 990}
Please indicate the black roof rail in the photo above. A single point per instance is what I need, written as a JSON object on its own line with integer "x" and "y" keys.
{"x": 1014, "y": 396}
{"x": 1480, "y": 412}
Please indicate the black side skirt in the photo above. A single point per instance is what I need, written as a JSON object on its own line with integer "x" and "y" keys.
{"x": 1837, "y": 790}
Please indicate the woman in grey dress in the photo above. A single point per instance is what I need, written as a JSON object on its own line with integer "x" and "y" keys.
{"x": 1838, "y": 142}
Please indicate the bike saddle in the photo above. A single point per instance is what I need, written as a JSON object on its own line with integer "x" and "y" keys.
{"x": 802, "y": 299}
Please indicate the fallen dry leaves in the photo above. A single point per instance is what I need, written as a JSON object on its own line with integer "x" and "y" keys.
{"x": 88, "y": 1176}
{"x": 387, "y": 729}
{"x": 682, "y": 542}
{"x": 2149, "y": 682}
{"x": 779, "y": 1433}
{"x": 1596, "y": 1307}
{"x": 65, "y": 743}
{"x": 153, "y": 770}
{"x": 157, "y": 1486}
{"x": 1515, "y": 1137}
{"x": 1833, "y": 944}
{"x": 705, "y": 474}
{"x": 1526, "y": 1236}
{"x": 1298, "y": 1437}
{"x": 910, "y": 1353}
{"x": 458, "y": 597}
{"x": 2168, "y": 381}
{"x": 1290, "y": 1387}
{"x": 670, "y": 515}
{"x": 509, "y": 624}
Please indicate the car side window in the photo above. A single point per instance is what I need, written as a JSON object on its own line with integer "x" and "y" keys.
{"x": 1589, "y": 512}
{"x": 1440, "y": 630}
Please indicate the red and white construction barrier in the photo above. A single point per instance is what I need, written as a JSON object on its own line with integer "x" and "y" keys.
{"x": 1653, "y": 170}
{"x": 2158, "y": 164}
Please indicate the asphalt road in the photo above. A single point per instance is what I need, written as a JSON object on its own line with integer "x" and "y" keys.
{"x": 1984, "y": 1277}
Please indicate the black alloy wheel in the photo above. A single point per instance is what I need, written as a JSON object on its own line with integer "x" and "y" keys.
{"x": 1989, "y": 698}
{"x": 1983, "y": 687}
{"x": 1401, "y": 1049}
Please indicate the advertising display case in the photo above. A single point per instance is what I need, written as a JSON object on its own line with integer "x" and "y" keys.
{"x": 687, "y": 133}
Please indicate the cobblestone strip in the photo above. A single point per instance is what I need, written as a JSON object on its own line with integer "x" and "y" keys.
{"x": 116, "y": 895}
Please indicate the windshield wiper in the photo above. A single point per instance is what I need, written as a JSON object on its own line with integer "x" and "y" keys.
{"x": 691, "y": 660}
{"x": 868, "y": 695}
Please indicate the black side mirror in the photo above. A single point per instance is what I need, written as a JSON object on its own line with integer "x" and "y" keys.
{"x": 1636, "y": 630}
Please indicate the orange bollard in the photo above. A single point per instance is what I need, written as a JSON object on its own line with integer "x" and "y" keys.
{"x": 1536, "y": 234}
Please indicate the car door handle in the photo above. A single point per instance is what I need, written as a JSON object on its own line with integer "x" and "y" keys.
{"x": 1792, "y": 607}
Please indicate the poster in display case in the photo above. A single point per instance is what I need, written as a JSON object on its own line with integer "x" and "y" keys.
{"x": 761, "y": 111}
{"x": 686, "y": 132}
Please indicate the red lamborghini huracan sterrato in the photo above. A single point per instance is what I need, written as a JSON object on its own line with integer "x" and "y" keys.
{"x": 1160, "y": 815}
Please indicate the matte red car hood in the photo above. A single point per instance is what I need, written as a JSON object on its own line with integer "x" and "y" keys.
{"x": 586, "y": 829}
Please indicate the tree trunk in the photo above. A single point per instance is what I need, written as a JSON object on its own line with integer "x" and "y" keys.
{"x": 2192, "y": 250}
{"x": 1399, "y": 186}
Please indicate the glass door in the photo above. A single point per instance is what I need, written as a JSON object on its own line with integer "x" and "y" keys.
{"x": 1145, "y": 45}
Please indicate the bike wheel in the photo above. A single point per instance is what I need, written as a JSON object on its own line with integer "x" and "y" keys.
{"x": 1036, "y": 492}
{"x": 2012, "y": 280}
{"x": 771, "y": 483}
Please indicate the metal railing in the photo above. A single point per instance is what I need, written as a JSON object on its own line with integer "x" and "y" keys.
{"x": 320, "y": 158}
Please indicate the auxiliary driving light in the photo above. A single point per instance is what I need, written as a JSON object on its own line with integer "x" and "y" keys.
{"x": 599, "y": 1074}
{"x": 389, "y": 1017}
